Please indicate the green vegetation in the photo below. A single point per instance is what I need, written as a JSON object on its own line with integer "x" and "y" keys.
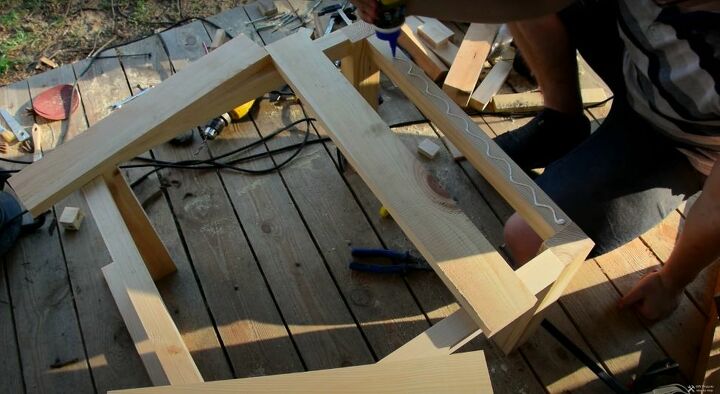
{"x": 68, "y": 30}
{"x": 15, "y": 38}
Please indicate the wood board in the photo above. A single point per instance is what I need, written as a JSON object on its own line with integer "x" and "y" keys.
{"x": 462, "y": 373}
{"x": 156, "y": 337}
{"x": 133, "y": 130}
{"x": 474, "y": 143}
{"x": 421, "y": 53}
{"x": 494, "y": 295}
{"x": 464, "y": 74}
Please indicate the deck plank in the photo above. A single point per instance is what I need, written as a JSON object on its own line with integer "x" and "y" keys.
{"x": 42, "y": 297}
{"x": 556, "y": 367}
{"x": 383, "y": 305}
{"x": 305, "y": 293}
{"x": 615, "y": 335}
{"x": 180, "y": 289}
{"x": 681, "y": 333}
{"x": 661, "y": 240}
{"x": 112, "y": 356}
{"x": 317, "y": 316}
{"x": 12, "y": 381}
{"x": 250, "y": 326}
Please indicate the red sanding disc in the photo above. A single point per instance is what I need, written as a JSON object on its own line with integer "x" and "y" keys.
{"x": 56, "y": 103}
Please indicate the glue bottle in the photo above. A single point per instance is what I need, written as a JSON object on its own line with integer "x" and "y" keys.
{"x": 391, "y": 16}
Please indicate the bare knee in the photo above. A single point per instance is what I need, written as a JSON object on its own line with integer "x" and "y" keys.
{"x": 520, "y": 240}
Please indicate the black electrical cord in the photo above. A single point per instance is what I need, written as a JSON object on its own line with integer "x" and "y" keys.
{"x": 174, "y": 25}
{"x": 214, "y": 163}
{"x": 603, "y": 375}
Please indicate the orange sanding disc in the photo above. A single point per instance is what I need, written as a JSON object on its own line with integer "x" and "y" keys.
{"x": 56, "y": 103}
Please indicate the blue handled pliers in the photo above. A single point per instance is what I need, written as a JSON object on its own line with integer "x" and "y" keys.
{"x": 401, "y": 262}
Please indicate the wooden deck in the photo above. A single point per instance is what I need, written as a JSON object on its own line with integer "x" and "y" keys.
{"x": 262, "y": 285}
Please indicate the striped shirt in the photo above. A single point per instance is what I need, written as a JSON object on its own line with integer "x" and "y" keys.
{"x": 672, "y": 73}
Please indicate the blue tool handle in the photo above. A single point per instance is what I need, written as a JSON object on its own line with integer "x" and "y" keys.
{"x": 387, "y": 253}
{"x": 379, "y": 268}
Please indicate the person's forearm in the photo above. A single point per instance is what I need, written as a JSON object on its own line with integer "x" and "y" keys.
{"x": 699, "y": 243}
{"x": 484, "y": 11}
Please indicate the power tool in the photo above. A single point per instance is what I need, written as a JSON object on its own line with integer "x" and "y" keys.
{"x": 390, "y": 17}
{"x": 215, "y": 126}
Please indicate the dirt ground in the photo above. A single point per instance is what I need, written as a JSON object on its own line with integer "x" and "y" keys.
{"x": 65, "y": 31}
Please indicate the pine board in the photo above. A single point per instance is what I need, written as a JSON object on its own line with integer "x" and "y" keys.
{"x": 156, "y": 338}
{"x": 463, "y": 373}
{"x": 468, "y": 64}
{"x": 237, "y": 297}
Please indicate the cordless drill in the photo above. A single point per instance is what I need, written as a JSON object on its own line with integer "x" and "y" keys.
{"x": 391, "y": 16}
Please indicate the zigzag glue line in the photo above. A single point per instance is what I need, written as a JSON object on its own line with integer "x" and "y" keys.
{"x": 557, "y": 220}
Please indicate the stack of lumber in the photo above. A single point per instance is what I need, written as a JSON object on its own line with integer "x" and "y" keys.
{"x": 464, "y": 68}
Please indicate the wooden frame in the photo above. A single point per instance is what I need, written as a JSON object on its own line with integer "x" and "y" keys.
{"x": 496, "y": 301}
{"x": 461, "y": 373}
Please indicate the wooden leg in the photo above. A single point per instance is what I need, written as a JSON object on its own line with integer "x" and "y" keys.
{"x": 361, "y": 71}
{"x": 154, "y": 253}
{"x": 153, "y": 331}
{"x": 454, "y": 331}
{"x": 567, "y": 250}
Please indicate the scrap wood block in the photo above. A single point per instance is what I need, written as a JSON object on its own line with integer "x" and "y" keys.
{"x": 533, "y": 101}
{"x": 428, "y": 148}
{"x": 219, "y": 38}
{"x": 458, "y": 373}
{"x": 267, "y": 7}
{"x": 48, "y": 62}
{"x": 71, "y": 218}
{"x": 421, "y": 53}
{"x": 434, "y": 32}
{"x": 467, "y": 67}
{"x": 447, "y": 52}
{"x": 492, "y": 82}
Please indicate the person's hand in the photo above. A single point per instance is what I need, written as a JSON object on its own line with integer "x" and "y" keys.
{"x": 367, "y": 9}
{"x": 652, "y": 297}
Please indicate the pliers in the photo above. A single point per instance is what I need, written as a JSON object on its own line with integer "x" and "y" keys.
{"x": 401, "y": 262}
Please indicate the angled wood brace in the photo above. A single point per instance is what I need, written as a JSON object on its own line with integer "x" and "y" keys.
{"x": 495, "y": 300}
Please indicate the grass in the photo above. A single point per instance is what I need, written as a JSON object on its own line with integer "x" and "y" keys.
{"x": 68, "y": 30}
{"x": 16, "y": 38}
